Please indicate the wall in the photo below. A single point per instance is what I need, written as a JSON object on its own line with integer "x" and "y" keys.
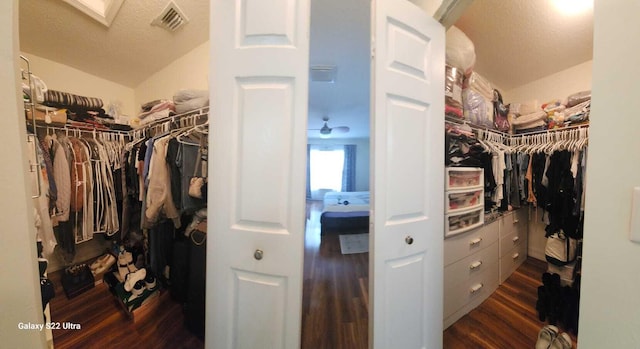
{"x": 362, "y": 157}
{"x": 190, "y": 71}
{"x": 19, "y": 293}
{"x": 609, "y": 303}
{"x": 64, "y": 78}
{"x": 559, "y": 85}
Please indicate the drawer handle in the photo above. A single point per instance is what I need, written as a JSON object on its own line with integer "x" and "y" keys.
{"x": 516, "y": 239}
{"x": 516, "y": 221}
{"x": 515, "y": 256}
{"x": 475, "y": 265}
{"x": 476, "y": 288}
{"x": 475, "y": 241}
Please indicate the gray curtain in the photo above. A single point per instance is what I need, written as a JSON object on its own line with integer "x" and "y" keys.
{"x": 349, "y": 170}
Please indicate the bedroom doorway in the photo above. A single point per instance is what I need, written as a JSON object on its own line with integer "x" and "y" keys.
{"x": 336, "y": 259}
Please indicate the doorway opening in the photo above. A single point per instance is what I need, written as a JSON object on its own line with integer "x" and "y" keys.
{"x": 335, "y": 286}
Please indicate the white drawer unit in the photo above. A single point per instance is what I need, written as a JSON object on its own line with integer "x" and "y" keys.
{"x": 463, "y": 245}
{"x": 512, "y": 260}
{"x": 513, "y": 242}
{"x": 464, "y": 178}
{"x": 472, "y": 287}
{"x": 478, "y": 260}
{"x": 463, "y": 200}
{"x": 458, "y": 223}
{"x": 465, "y": 269}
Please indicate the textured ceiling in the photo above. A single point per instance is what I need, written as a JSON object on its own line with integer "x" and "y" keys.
{"x": 519, "y": 41}
{"x": 128, "y": 52}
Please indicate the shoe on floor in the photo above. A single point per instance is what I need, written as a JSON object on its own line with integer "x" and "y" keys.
{"x": 105, "y": 264}
{"x": 562, "y": 341}
{"x": 134, "y": 277}
{"x": 546, "y": 336}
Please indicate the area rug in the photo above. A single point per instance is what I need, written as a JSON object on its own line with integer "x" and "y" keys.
{"x": 354, "y": 243}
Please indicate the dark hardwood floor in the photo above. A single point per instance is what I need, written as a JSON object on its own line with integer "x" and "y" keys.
{"x": 335, "y": 301}
{"x": 507, "y": 319}
{"x": 334, "y": 308}
{"x": 335, "y": 291}
{"x": 104, "y": 324}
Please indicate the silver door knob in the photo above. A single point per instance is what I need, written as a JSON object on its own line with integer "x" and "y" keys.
{"x": 408, "y": 240}
{"x": 258, "y": 254}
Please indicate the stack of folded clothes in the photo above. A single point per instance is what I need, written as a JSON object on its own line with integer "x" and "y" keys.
{"x": 153, "y": 111}
{"x": 188, "y": 100}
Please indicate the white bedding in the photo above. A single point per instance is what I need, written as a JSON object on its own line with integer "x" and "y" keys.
{"x": 335, "y": 201}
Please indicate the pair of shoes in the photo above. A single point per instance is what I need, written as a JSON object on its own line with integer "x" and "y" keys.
{"x": 548, "y": 338}
{"x": 137, "y": 290}
{"x": 102, "y": 264}
{"x": 125, "y": 264}
{"x": 150, "y": 282}
{"x": 563, "y": 341}
{"x": 132, "y": 278}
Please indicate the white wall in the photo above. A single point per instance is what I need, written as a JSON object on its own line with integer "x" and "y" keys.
{"x": 19, "y": 295}
{"x": 556, "y": 86}
{"x": 190, "y": 71}
{"x": 609, "y": 303}
{"x": 362, "y": 157}
{"x": 64, "y": 78}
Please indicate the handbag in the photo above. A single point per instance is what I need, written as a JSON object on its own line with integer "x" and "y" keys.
{"x": 500, "y": 112}
{"x": 198, "y": 184}
{"x": 560, "y": 249}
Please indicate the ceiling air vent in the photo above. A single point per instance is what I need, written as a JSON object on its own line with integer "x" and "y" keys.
{"x": 171, "y": 18}
{"x": 322, "y": 73}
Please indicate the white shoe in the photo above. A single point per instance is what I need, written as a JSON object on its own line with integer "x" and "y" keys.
{"x": 546, "y": 336}
{"x": 562, "y": 341}
{"x": 134, "y": 277}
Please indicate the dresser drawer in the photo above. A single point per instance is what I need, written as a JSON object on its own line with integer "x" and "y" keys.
{"x": 512, "y": 260}
{"x": 475, "y": 288}
{"x": 514, "y": 221}
{"x": 464, "y": 269}
{"x": 461, "y": 246}
{"x": 509, "y": 241}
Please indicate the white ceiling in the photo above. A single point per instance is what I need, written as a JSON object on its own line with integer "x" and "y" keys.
{"x": 520, "y": 41}
{"x": 516, "y": 42}
{"x": 127, "y": 52}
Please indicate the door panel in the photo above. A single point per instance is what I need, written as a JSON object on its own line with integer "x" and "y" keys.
{"x": 258, "y": 79}
{"x": 408, "y": 179}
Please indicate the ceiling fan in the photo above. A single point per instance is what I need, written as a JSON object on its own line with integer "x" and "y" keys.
{"x": 326, "y": 131}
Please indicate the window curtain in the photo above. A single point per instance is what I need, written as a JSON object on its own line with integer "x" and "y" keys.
{"x": 309, "y": 171}
{"x": 349, "y": 170}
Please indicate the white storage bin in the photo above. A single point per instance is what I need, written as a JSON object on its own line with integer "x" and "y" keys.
{"x": 463, "y": 221}
{"x": 464, "y": 178}
{"x": 462, "y": 200}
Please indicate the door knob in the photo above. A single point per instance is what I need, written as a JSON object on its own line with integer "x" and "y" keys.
{"x": 258, "y": 254}
{"x": 408, "y": 240}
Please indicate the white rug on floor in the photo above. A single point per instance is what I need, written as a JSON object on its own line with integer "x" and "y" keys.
{"x": 354, "y": 243}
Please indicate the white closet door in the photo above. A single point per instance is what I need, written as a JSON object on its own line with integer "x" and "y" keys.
{"x": 259, "y": 78}
{"x": 408, "y": 140}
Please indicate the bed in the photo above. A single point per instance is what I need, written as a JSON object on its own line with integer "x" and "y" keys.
{"x": 345, "y": 212}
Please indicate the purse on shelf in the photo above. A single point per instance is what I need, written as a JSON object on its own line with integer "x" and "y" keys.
{"x": 198, "y": 183}
{"x": 500, "y": 112}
